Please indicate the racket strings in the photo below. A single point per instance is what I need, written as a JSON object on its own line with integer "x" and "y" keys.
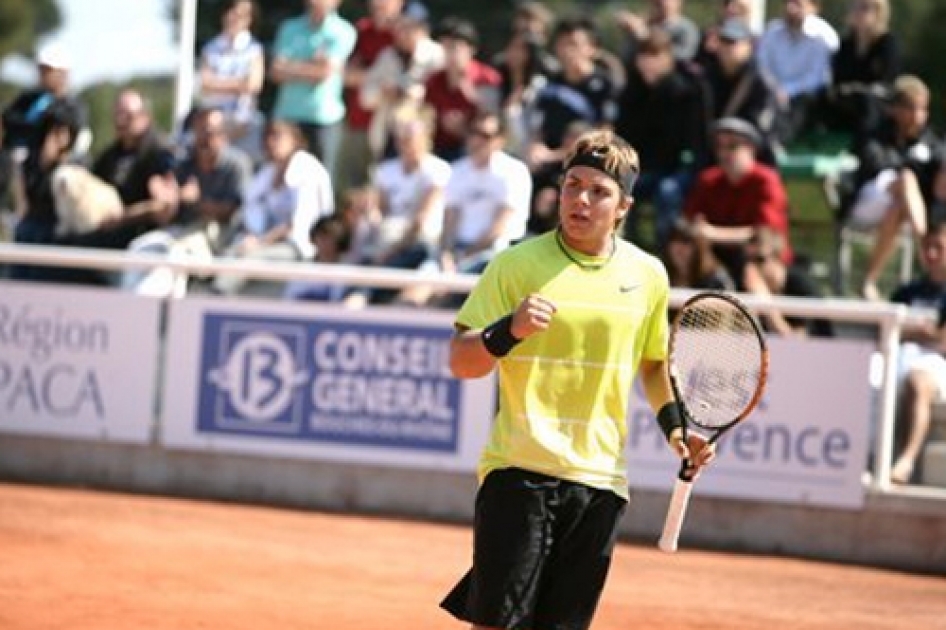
{"x": 717, "y": 357}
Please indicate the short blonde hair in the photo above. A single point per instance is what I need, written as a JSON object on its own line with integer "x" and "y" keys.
{"x": 617, "y": 157}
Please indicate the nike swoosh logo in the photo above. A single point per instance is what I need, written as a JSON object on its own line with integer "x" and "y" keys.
{"x": 627, "y": 288}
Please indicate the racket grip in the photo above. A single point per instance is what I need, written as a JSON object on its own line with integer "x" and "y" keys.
{"x": 675, "y": 513}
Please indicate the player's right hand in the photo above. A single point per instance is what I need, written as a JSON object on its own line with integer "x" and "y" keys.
{"x": 533, "y": 314}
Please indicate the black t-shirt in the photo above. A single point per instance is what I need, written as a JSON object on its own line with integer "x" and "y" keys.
{"x": 561, "y": 103}
{"x": 130, "y": 169}
{"x": 38, "y": 188}
{"x": 923, "y": 293}
{"x": 23, "y": 117}
{"x": 799, "y": 284}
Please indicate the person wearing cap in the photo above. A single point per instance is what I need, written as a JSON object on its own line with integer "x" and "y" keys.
{"x": 737, "y": 88}
{"x": 567, "y": 319}
{"x": 22, "y": 126}
{"x": 739, "y": 195}
{"x": 464, "y": 87}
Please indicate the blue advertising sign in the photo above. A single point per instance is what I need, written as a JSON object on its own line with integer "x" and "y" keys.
{"x": 327, "y": 380}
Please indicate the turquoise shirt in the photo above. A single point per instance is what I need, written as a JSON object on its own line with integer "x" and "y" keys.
{"x": 299, "y": 40}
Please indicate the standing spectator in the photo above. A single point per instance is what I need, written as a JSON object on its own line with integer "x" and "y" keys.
{"x": 375, "y": 33}
{"x": 487, "y": 199}
{"x": 795, "y": 52}
{"x": 410, "y": 190}
{"x": 922, "y": 366}
{"x": 397, "y": 79}
{"x": 896, "y": 167}
{"x": 732, "y": 200}
{"x": 579, "y": 91}
{"x": 864, "y": 69}
{"x": 737, "y": 88}
{"x": 766, "y": 274}
{"x": 663, "y": 116}
{"x": 464, "y": 87}
{"x": 690, "y": 261}
{"x": 22, "y": 126}
{"x": 309, "y": 57}
{"x": 286, "y": 197}
{"x": 665, "y": 15}
{"x": 232, "y": 69}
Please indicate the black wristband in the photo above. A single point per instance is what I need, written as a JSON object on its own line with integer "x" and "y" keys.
{"x": 498, "y": 338}
{"x": 670, "y": 417}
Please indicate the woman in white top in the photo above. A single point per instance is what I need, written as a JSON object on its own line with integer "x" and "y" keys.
{"x": 232, "y": 69}
{"x": 288, "y": 194}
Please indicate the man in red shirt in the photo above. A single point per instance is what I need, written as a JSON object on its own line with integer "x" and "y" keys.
{"x": 731, "y": 201}
{"x": 462, "y": 89}
{"x": 375, "y": 33}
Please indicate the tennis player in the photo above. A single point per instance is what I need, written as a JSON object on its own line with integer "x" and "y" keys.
{"x": 568, "y": 318}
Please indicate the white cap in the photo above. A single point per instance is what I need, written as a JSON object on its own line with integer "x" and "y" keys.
{"x": 53, "y": 56}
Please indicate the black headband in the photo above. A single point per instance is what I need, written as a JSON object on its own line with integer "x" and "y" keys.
{"x": 597, "y": 160}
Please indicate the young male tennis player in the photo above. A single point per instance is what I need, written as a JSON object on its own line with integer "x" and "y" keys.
{"x": 568, "y": 318}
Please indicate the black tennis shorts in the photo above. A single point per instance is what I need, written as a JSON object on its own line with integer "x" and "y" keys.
{"x": 541, "y": 552}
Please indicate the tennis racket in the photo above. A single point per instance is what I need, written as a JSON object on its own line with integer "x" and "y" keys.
{"x": 718, "y": 367}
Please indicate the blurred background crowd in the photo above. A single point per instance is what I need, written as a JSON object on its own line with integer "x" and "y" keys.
{"x": 412, "y": 135}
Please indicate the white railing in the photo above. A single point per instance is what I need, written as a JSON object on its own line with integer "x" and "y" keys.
{"x": 888, "y": 318}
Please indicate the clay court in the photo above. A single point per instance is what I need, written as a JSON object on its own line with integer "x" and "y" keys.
{"x": 88, "y": 560}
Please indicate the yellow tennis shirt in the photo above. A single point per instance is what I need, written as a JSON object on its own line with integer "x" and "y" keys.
{"x": 564, "y": 392}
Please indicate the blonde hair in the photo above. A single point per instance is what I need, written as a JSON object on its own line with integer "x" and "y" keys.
{"x": 618, "y": 157}
{"x": 910, "y": 89}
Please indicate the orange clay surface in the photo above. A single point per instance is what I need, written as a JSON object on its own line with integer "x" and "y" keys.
{"x": 87, "y": 560}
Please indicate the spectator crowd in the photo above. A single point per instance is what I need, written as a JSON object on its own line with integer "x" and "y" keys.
{"x": 396, "y": 141}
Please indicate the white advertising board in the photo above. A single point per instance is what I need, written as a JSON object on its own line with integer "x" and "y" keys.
{"x": 807, "y": 442}
{"x": 77, "y": 362}
{"x": 320, "y": 382}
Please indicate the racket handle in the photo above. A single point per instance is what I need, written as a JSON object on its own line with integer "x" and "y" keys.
{"x": 675, "y": 513}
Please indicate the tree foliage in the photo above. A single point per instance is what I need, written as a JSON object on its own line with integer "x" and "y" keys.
{"x": 23, "y": 22}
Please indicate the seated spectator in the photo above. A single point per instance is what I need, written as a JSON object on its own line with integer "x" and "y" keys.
{"x": 864, "y": 69}
{"x": 286, "y": 197}
{"x": 737, "y": 88}
{"x": 21, "y": 119}
{"x": 766, "y": 274}
{"x": 464, "y": 87}
{"x": 309, "y": 56}
{"x": 410, "y": 190}
{"x": 732, "y": 200}
{"x": 397, "y": 80}
{"x": 523, "y": 72}
{"x": 232, "y": 69}
{"x": 375, "y": 34}
{"x": 54, "y": 134}
{"x": 922, "y": 366}
{"x": 579, "y": 91}
{"x": 663, "y": 116}
{"x": 362, "y": 216}
{"x": 331, "y": 239}
{"x": 690, "y": 261}
{"x": 896, "y": 166}
{"x": 665, "y": 15}
{"x": 738, "y": 10}
{"x": 795, "y": 52}
{"x": 546, "y": 180}
{"x": 212, "y": 180}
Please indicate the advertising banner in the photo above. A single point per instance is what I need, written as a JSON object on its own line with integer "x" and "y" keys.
{"x": 807, "y": 442}
{"x": 77, "y": 362}
{"x": 370, "y": 386}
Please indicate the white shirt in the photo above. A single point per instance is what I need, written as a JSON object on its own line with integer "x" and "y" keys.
{"x": 302, "y": 199}
{"x": 402, "y": 193}
{"x": 478, "y": 195}
{"x": 798, "y": 62}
